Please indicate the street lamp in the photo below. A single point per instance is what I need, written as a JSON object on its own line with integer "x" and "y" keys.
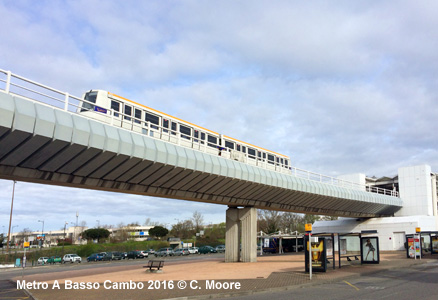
{"x": 74, "y": 232}
{"x": 42, "y": 233}
{"x": 63, "y": 243}
{"x": 10, "y": 221}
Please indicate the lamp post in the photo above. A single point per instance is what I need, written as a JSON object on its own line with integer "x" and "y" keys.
{"x": 63, "y": 243}
{"x": 10, "y": 221}
{"x": 42, "y": 233}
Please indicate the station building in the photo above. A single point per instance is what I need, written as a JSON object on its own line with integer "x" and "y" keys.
{"x": 417, "y": 187}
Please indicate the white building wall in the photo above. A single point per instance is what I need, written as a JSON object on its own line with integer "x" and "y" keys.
{"x": 415, "y": 191}
{"x": 389, "y": 230}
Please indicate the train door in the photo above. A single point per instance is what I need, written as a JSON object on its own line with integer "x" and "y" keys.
{"x": 165, "y": 132}
{"x": 252, "y": 159}
{"x": 185, "y": 135}
{"x": 270, "y": 162}
{"x": 213, "y": 144}
{"x": 115, "y": 108}
{"x": 127, "y": 117}
{"x": 198, "y": 140}
{"x": 152, "y": 124}
{"x": 137, "y": 124}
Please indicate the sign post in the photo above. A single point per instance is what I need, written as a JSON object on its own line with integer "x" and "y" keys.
{"x": 308, "y": 229}
{"x": 417, "y": 246}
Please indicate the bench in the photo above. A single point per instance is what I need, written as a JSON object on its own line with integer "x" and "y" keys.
{"x": 348, "y": 257}
{"x": 155, "y": 265}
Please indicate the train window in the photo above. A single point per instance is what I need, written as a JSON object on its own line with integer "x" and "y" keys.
{"x": 165, "y": 125}
{"x": 251, "y": 153}
{"x": 127, "y": 112}
{"x": 186, "y": 132}
{"x": 285, "y": 163}
{"x": 271, "y": 159}
{"x": 259, "y": 154}
{"x": 116, "y": 107}
{"x": 153, "y": 119}
{"x": 264, "y": 155}
{"x": 243, "y": 149}
{"x": 238, "y": 147}
{"x": 229, "y": 145}
{"x": 278, "y": 161}
{"x": 281, "y": 161}
{"x": 173, "y": 128}
{"x": 212, "y": 141}
{"x": 137, "y": 115}
{"x": 90, "y": 97}
{"x": 203, "y": 136}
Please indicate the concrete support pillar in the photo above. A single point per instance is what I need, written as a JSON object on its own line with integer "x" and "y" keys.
{"x": 248, "y": 219}
{"x": 241, "y": 230}
{"x": 232, "y": 235}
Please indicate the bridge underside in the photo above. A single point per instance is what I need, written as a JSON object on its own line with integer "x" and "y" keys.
{"x": 45, "y": 145}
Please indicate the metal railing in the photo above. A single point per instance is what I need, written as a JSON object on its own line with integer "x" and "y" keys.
{"x": 34, "y": 91}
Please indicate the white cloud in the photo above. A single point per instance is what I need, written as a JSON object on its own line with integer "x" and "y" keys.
{"x": 341, "y": 89}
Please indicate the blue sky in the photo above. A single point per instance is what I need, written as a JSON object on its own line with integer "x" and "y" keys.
{"x": 342, "y": 88}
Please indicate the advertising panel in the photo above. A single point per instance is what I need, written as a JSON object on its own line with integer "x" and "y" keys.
{"x": 319, "y": 261}
{"x": 370, "y": 250}
{"x": 434, "y": 244}
{"x": 414, "y": 246}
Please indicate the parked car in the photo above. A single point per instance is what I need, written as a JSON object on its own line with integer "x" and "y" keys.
{"x": 95, "y": 257}
{"x": 164, "y": 252}
{"x": 193, "y": 250}
{"x": 54, "y": 260}
{"x": 151, "y": 251}
{"x": 206, "y": 249}
{"x": 117, "y": 255}
{"x": 145, "y": 253}
{"x": 107, "y": 256}
{"x": 42, "y": 260}
{"x": 71, "y": 258}
{"x": 135, "y": 255}
{"x": 124, "y": 255}
{"x": 181, "y": 251}
{"x": 220, "y": 248}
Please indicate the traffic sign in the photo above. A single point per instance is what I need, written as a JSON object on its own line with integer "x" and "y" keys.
{"x": 308, "y": 227}
{"x": 26, "y": 244}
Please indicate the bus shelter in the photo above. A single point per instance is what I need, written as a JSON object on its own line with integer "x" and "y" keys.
{"x": 363, "y": 246}
{"x": 422, "y": 243}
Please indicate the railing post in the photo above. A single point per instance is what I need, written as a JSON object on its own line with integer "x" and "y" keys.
{"x": 8, "y": 81}
{"x": 66, "y": 102}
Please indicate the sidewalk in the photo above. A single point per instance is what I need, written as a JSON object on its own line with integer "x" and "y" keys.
{"x": 213, "y": 278}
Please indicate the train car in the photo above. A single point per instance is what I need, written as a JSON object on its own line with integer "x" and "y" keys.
{"x": 118, "y": 111}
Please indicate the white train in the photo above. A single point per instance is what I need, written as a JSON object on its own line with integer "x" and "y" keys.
{"x": 122, "y": 112}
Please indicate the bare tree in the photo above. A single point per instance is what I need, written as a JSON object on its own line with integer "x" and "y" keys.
{"x": 291, "y": 221}
{"x": 269, "y": 221}
{"x": 198, "y": 221}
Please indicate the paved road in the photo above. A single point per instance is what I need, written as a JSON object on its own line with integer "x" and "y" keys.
{"x": 418, "y": 282}
{"x": 6, "y": 274}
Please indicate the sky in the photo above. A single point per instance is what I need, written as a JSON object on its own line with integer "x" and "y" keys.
{"x": 341, "y": 87}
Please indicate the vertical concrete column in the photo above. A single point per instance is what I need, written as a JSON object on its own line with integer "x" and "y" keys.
{"x": 232, "y": 235}
{"x": 248, "y": 219}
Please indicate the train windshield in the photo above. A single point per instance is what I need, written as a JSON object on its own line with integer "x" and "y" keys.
{"x": 90, "y": 98}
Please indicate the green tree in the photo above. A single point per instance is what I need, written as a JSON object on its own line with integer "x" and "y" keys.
{"x": 158, "y": 231}
{"x": 95, "y": 234}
